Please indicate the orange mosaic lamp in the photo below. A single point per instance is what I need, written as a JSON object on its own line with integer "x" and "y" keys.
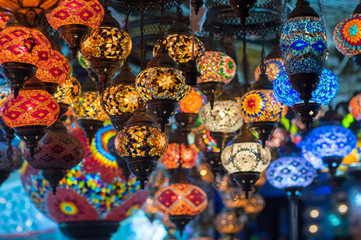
{"x": 22, "y": 51}
{"x": 179, "y": 154}
{"x": 4, "y": 18}
{"x": 74, "y": 19}
{"x": 181, "y": 200}
{"x": 30, "y": 113}
{"x": 68, "y": 91}
{"x": 227, "y": 222}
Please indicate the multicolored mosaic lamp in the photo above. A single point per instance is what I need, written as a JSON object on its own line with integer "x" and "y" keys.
{"x": 30, "y": 113}
{"x": 354, "y": 107}
{"x": 304, "y": 49}
{"x": 347, "y": 36}
{"x": 245, "y": 159}
{"x": 331, "y": 143}
{"x": 22, "y": 51}
{"x": 93, "y": 197}
{"x": 162, "y": 86}
{"x": 74, "y": 19}
{"x": 141, "y": 144}
{"x": 121, "y": 99}
{"x": 181, "y": 200}
{"x": 325, "y": 92}
{"x": 107, "y": 47}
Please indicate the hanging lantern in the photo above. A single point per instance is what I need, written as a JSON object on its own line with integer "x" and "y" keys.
{"x": 68, "y": 91}
{"x": 355, "y": 107}
{"x": 30, "y": 113}
{"x": 162, "y": 86}
{"x": 4, "y": 18}
{"x": 106, "y": 49}
{"x": 22, "y": 51}
{"x": 55, "y": 72}
{"x": 181, "y": 200}
{"x": 188, "y": 110}
{"x": 331, "y": 143}
{"x": 121, "y": 99}
{"x": 179, "y": 154}
{"x": 217, "y": 70}
{"x": 245, "y": 159}
{"x": 316, "y": 161}
{"x": 122, "y": 164}
{"x": 88, "y": 109}
{"x": 261, "y": 110}
{"x": 304, "y": 49}
{"x": 325, "y": 92}
{"x": 227, "y": 222}
{"x": 242, "y": 8}
{"x": 347, "y": 36}
{"x": 74, "y": 20}
{"x": 141, "y": 144}
{"x": 28, "y": 12}
{"x": 57, "y": 152}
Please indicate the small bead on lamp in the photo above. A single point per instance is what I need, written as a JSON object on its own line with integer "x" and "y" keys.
{"x": 325, "y": 92}
{"x": 245, "y": 159}
{"x": 354, "y": 107}
{"x": 304, "y": 49}
{"x": 74, "y": 19}
{"x": 30, "y": 113}
{"x": 141, "y": 144}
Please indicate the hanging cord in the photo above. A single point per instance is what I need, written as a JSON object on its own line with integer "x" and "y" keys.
{"x": 193, "y": 31}
{"x": 142, "y": 48}
{"x": 263, "y": 66}
{"x": 245, "y": 61}
{"x": 126, "y": 21}
{"x": 161, "y": 28}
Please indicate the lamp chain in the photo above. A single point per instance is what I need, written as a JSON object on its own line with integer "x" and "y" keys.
{"x": 245, "y": 61}
{"x": 263, "y": 67}
{"x": 161, "y": 29}
{"x": 142, "y": 48}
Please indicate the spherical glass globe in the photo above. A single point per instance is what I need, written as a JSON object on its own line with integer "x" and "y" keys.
{"x": 325, "y": 92}
{"x": 331, "y": 141}
{"x": 274, "y": 67}
{"x": 68, "y": 91}
{"x": 88, "y": 106}
{"x": 245, "y": 157}
{"x": 347, "y": 36}
{"x": 316, "y": 162}
{"x": 193, "y": 102}
{"x": 290, "y": 172}
{"x": 355, "y": 107}
{"x": 224, "y": 117}
{"x": 177, "y": 153}
{"x": 216, "y": 66}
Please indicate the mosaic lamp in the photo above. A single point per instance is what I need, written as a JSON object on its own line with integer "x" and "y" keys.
{"x": 28, "y": 12}
{"x": 4, "y": 18}
{"x": 74, "y": 19}
{"x": 30, "y": 113}
{"x": 347, "y": 36}
{"x": 306, "y": 153}
{"x": 141, "y": 144}
{"x": 354, "y": 107}
{"x": 181, "y": 200}
{"x": 107, "y": 47}
{"x": 67, "y": 92}
{"x": 93, "y": 198}
{"x": 304, "y": 49}
{"x": 245, "y": 159}
{"x": 325, "y": 92}
{"x": 331, "y": 143}
{"x": 291, "y": 174}
{"x": 121, "y": 99}
{"x": 162, "y": 86}
{"x": 22, "y": 51}
{"x": 228, "y": 223}
{"x": 188, "y": 110}
{"x": 260, "y": 108}
{"x": 217, "y": 70}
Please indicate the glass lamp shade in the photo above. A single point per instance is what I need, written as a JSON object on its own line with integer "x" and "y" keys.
{"x": 21, "y": 5}
{"x": 180, "y": 47}
{"x": 245, "y": 157}
{"x": 107, "y": 43}
{"x": 179, "y": 152}
{"x": 81, "y": 12}
{"x": 304, "y": 45}
{"x": 57, "y": 70}
{"x": 161, "y": 83}
{"x": 24, "y": 45}
{"x": 4, "y": 18}
{"x": 309, "y": 156}
{"x": 228, "y": 223}
{"x": 181, "y": 199}
{"x": 255, "y": 204}
{"x": 223, "y": 117}
{"x": 88, "y": 106}
{"x": 290, "y": 172}
{"x": 193, "y": 102}
{"x": 347, "y": 35}
{"x": 325, "y": 92}
{"x": 68, "y": 91}
{"x": 331, "y": 141}
{"x": 354, "y": 107}
{"x": 216, "y": 66}
{"x": 274, "y": 68}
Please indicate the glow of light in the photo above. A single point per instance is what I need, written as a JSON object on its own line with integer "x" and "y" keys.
{"x": 2, "y": 200}
{"x": 203, "y": 172}
{"x": 358, "y": 199}
{"x": 342, "y": 208}
{"x": 19, "y": 228}
{"x": 334, "y": 220}
{"x": 313, "y": 228}
{"x": 28, "y": 223}
{"x": 314, "y": 213}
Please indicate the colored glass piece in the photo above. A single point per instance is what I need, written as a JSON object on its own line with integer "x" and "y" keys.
{"x": 179, "y": 152}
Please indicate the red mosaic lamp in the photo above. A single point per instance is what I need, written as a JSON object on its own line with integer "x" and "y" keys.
{"x": 30, "y": 113}
{"x": 74, "y": 19}
{"x": 181, "y": 200}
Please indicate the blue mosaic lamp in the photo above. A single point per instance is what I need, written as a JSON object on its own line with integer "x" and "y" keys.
{"x": 304, "y": 49}
{"x": 331, "y": 143}
{"x": 316, "y": 162}
{"x": 325, "y": 92}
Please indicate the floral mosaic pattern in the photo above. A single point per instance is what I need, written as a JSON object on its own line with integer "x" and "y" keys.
{"x": 274, "y": 67}
{"x": 347, "y": 35}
